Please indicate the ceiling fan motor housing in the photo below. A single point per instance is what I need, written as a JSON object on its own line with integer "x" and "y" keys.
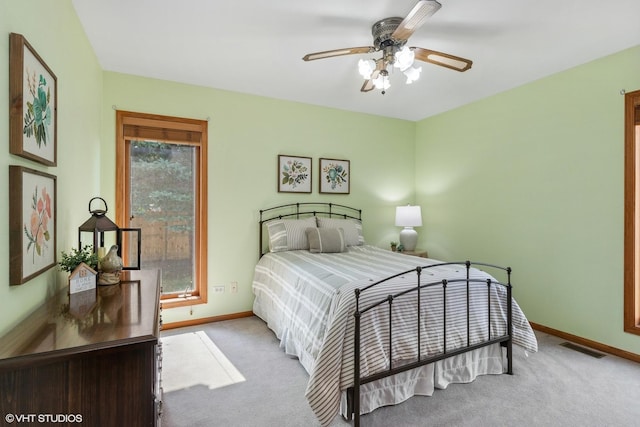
{"x": 382, "y": 40}
{"x": 382, "y": 31}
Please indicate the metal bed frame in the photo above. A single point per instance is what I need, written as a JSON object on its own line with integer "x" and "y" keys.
{"x": 304, "y": 210}
{"x": 353, "y": 393}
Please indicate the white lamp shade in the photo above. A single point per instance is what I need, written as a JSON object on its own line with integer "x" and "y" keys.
{"x": 408, "y": 216}
{"x": 366, "y": 67}
{"x": 404, "y": 58}
{"x": 412, "y": 74}
{"x": 381, "y": 82}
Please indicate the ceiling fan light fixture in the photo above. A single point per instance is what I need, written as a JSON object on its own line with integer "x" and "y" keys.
{"x": 390, "y": 36}
{"x": 404, "y": 58}
{"x": 366, "y": 68}
{"x": 412, "y": 74}
{"x": 382, "y": 81}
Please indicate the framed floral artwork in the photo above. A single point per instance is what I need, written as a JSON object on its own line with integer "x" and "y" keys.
{"x": 33, "y": 98}
{"x": 334, "y": 176}
{"x": 32, "y": 223}
{"x": 294, "y": 174}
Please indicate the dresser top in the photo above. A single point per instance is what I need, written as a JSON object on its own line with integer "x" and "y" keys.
{"x": 101, "y": 318}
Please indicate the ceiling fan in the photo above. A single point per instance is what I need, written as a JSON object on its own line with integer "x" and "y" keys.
{"x": 389, "y": 37}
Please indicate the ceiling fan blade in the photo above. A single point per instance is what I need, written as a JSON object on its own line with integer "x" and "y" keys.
{"x": 442, "y": 59}
{"x": 338, "y": 52}
{"x": 420, "y": 12}
{"x": 367, "y": 86}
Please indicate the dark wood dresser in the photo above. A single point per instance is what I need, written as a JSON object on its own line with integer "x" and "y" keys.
{"x": 91, "y": 358}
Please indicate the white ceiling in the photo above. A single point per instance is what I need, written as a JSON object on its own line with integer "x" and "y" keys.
{"x": 256, "y": 46}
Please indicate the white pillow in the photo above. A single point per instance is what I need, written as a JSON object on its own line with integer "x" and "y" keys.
{"x": 352, "y": 229}
{"x": 289, "y": 234}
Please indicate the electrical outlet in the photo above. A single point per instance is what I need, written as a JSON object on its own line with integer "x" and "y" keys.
{"x": 218, "y": 289}
{"x": 234, "y": 287}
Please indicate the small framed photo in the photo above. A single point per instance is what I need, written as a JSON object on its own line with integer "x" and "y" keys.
{"x": 33, "y": 101}
{"x": 334, "y": 176}
{"x": 294, "y": 174}
{"x": 32, "y": 223}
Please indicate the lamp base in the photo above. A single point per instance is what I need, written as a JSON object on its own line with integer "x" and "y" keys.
{"x": 408, "y": 238}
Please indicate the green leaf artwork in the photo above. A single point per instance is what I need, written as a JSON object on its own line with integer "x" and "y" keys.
{"x": 37, "y": 117}
{"x": 335, "y": 175}
{"x": 294, "y": 172}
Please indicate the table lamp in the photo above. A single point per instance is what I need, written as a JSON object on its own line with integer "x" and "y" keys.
{"x": 408, "y": 217}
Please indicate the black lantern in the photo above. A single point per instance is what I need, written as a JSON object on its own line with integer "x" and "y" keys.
{"x": 99, "y": 224}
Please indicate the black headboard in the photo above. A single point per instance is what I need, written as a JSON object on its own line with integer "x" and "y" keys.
{"x": 304, "y": 210}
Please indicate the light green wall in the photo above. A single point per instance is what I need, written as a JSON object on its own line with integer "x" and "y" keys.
{"x": 53, "y": 29}
{"x": 246, "y": 134}
{"x": 533, "y": 178}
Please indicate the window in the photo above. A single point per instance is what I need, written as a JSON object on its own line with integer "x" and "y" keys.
{"x": 161, "y": 177}
{"x": 632, "y": 214}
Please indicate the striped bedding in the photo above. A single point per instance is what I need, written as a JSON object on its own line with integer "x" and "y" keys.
{"x": 308, "y": 300}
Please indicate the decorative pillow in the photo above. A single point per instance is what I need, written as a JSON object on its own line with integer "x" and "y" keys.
{"x": 352, "y": 229}
{"x": 289, "y": 234}
{"x": 326, "y": 240}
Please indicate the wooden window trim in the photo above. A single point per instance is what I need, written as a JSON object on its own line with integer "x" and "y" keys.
{"x": 631, "y": 216}
{"x": 165, "y": 129}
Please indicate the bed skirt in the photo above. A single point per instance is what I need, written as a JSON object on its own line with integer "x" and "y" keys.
{"x": 422, "y": 381}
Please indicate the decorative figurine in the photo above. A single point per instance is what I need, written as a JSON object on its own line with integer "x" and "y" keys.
{"x": 110, "y": 267}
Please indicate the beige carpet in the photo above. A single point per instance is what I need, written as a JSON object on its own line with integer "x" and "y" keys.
{"x": 192, "y": 359}
{"x": 556, "y": 387}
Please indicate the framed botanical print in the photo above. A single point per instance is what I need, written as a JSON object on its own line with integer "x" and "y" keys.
{"x": 294, "y": 174}
{"x": 334, "y": 176}
{"x": 32, "y": 223}
{"x": 33, "y": 98}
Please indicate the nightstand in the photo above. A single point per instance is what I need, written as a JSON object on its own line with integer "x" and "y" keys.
{"x": 417, "y": 252}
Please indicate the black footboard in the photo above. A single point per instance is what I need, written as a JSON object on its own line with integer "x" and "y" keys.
{"x": 474, "y": 302}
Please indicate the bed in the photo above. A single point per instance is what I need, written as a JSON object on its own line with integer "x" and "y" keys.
{"x": 373, "y": 327}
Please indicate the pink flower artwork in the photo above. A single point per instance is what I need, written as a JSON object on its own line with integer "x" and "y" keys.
{"x": 37, "y": 231}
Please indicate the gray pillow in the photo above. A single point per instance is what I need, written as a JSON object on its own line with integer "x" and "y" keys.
{"x": 326, "y": 240}
{"x": 352, "y": 229}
